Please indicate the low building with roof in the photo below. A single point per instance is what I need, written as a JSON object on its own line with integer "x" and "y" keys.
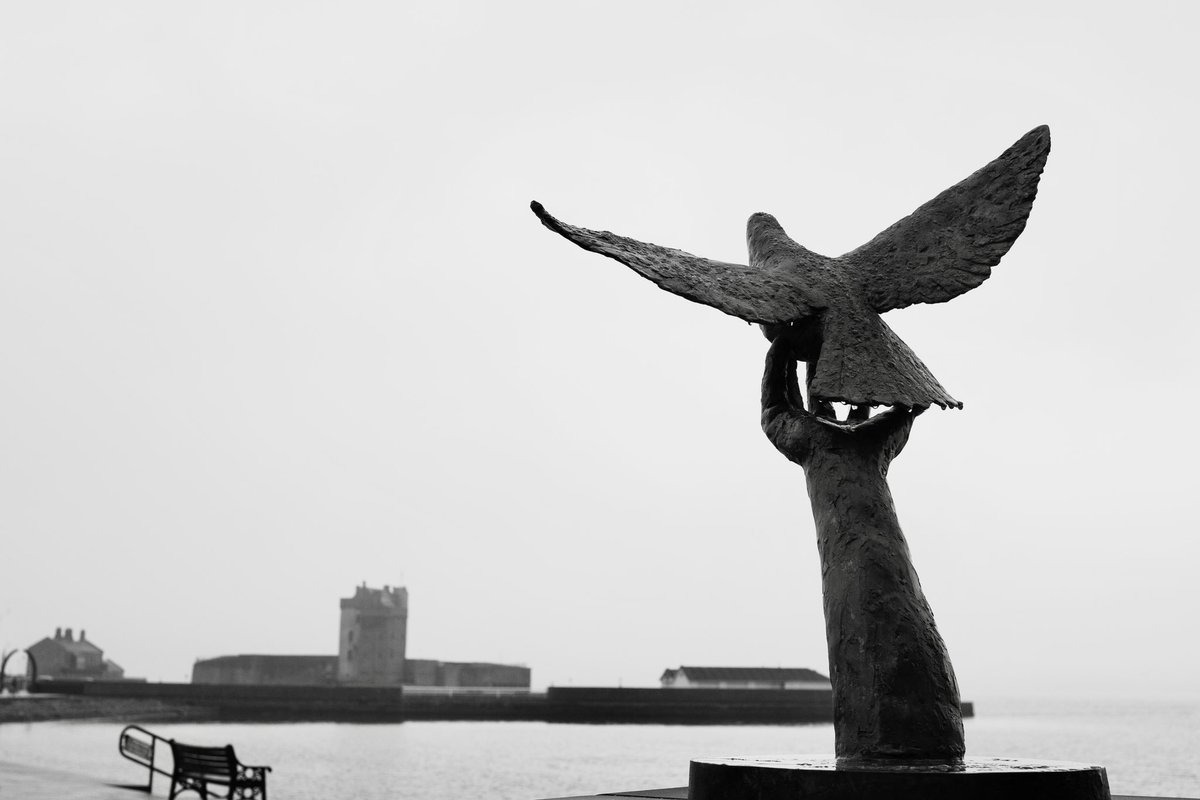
{"x": 65, "y": 657}
{"x": 743, "y": 678}
{"x": 266, "y": 670}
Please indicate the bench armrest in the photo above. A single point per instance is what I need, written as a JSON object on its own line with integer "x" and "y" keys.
{"x": 246, "y": 772}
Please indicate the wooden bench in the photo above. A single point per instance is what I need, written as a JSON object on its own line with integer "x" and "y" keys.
{"x": 196, "y": 768}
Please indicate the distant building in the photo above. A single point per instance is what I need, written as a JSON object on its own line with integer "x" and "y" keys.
{"x": 743, "y": 678}
{"x": 373, "y": 635}
{"x": 371, "y": 651}
{"x": 272, "y": 670}
{"x": 65, "y": 657}
{"x": 423, "y": 672}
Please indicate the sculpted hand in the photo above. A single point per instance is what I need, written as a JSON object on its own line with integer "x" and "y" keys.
{"x": 794, "y": 430}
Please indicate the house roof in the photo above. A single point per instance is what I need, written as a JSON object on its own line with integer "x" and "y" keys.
{"x": 774, "y": 674}
{"x": 262, "y": 659}
{"x": 72, "y": 646}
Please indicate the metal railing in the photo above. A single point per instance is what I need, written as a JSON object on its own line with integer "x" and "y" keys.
{"x": 141, "y": 750}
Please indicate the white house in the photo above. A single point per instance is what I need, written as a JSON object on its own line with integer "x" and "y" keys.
{"x": 743, "y": 678}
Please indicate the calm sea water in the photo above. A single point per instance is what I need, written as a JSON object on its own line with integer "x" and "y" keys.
{"x": 1149, "y": 748}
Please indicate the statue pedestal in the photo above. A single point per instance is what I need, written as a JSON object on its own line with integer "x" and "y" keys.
{"x": 794, "y": 777}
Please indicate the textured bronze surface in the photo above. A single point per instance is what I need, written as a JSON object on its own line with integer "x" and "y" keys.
{"x": 944, "y": 248}
{"x": 894, "y": 692}
{"x": 895, "y": 695}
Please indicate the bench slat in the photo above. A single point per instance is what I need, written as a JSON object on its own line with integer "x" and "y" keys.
{"x": 215, "y": 764}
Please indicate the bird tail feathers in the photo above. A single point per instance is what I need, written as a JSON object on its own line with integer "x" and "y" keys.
{"x": 863, "y": 362}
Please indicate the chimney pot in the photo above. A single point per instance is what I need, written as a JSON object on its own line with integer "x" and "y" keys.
{"x": 58, "y": 633}
{"x": 67, "y": 635}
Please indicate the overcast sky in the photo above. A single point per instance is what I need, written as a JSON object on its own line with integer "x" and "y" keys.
{"x": 275, "y": 319}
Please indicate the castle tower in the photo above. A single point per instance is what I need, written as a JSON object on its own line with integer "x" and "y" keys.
{"x": 373, "y": 634}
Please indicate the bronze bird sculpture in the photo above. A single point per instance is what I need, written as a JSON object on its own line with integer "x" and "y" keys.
{"x": 831, "y": 306}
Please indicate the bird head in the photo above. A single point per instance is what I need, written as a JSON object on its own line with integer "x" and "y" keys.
{"x": 766, "y": 240}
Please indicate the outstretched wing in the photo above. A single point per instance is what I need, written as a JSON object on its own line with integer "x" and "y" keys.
{"x": 949, "y": 245}
{"x": 754, "y": 295}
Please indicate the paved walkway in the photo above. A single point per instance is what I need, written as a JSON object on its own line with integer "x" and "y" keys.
{"x": 19, "y": 782}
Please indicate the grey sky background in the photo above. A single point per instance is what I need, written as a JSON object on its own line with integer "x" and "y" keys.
{"x": 275, "y": 319}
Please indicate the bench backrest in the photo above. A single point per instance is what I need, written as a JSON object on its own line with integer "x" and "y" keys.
{"x": 217, "y": 764}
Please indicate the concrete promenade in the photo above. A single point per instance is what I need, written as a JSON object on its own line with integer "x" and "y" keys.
{"x": 20, "y": 782}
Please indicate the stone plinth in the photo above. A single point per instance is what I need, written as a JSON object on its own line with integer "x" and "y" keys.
{"x": 761, "y": 778}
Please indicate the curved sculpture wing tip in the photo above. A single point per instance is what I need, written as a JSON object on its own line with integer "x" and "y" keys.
{"x": 547, "y": 219}
{"x": 1040, "y": 132}
{"x": 544, "y": 215}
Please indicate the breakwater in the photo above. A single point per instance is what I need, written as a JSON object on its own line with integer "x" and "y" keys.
{"x": 228, "y": 702}
{"x": 49, "y": 707}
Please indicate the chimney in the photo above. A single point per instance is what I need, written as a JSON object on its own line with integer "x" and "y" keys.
{"x": 58, "y": 633}
{"x": 82, "y": 635}
{"x": 68, "y": 635}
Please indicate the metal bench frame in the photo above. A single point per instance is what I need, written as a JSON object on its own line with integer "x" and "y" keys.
{"x": 195, "y": 768}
